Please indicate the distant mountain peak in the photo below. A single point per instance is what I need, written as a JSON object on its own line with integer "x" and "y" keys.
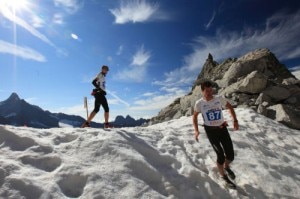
{"x": 128, "y": 117}
{"x": 14, "y": 97}
{"x": 128, "y": 121}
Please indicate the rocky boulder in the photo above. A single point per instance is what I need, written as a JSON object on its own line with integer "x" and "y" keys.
{"x": 261, "y": 60}
{"x": 284, "y": 114}
{"x": 253, "y": 83}
{"x": 256, "y": 80}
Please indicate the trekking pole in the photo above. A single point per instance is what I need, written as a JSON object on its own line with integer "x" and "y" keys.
{"x": 86, "y": 107}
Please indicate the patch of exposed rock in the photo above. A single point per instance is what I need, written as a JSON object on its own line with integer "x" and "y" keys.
{"x": 256, "y": 80}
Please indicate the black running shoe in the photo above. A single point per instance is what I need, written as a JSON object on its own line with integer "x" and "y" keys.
{"x": 228, "y": 182}
{"x": 230, "y": 173}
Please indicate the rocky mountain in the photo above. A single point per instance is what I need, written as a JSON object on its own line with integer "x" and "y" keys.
{"x": 17, "y": 112}
{"x": 256, "y": 80}
{"x": 128, "y": 121}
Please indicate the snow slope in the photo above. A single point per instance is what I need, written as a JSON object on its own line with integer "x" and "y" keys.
{"x": 159, "y": 161}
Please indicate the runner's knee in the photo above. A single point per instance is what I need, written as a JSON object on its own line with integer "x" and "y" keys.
{"x": 229, "y": 155}
{"x": 221, "y": 159}
{"x": 106, "y": 109}
{"x": 230, "y": 158}
{"x": 96, "y": 109}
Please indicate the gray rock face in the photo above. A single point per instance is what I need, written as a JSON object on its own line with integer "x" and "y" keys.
{"x": 256, "y": 80}
{"x": 253, "y": 83}
{"x": 277, "y": 93}
{"x": 285, "y": 114}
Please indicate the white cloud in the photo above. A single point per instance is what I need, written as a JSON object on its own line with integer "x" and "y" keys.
{"x": 37, "y": 22}
{"x": 137, "y": 70}
{"x": 23, "y": 52}
{"x": 10, "y": 16}
{"x": 148, "y": 105}
{"x": 109, "y": 59}
{"x": 71, "y": 6}
{"x": 141, "y": 57}
{"x": 148, "y": 94}
{"x": 296, "y": 71}
{"x": 135, "y": 11}
{"x": 156, "y": 102}
{"x": 58, "y": 18}
{"x": 74, "y": 36}
{"x": 77, "y": 109}
{"x": 118, "y": 98}
{"x": 297, "y": 74}
{"x": 132, "y": 74}
{"x": 60, "y": 52}
{"x": 31, "y": 100}
{"x": 207, "y": 26}
{"x": 120, "y": 50}
{"x": 281, "y": 35}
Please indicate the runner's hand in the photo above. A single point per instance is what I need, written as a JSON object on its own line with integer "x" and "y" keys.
{"x": 236, "y": 125}
{"x": 197, "y": 135}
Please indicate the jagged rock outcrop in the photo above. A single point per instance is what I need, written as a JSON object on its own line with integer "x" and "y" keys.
{"x": 256, "y": 80}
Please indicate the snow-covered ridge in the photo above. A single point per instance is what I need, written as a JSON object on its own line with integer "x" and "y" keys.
{"x": 159, "y": 161}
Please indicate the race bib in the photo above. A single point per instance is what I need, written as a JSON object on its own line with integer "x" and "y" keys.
{"x": 213, "y": 115}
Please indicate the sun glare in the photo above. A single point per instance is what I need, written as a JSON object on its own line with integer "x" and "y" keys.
{"x": 15, "y": 5}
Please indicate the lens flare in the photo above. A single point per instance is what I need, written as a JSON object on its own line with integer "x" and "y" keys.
{"x": 15, "y": 5}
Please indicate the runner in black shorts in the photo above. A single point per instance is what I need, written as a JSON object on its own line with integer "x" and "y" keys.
{"x": 99, "y": 93}
{"x": 220, "y": 140}
{"x": 210, "y": 107}
{"x": 100, "y": 99}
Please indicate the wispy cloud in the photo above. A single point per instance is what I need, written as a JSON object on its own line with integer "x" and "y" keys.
{"x": 207, "y": 26}
{"x": 295, "y": 68}
{"x": 136, "y": 11}
{"x": 148, "y": 94}
{"x": 141, "y": 57}
{"x": 31, "y": 100}
{"x": 75, "y": 37}
{"x": 296, "y": 71}
{"x": 71, "y": 6}
{"x": 118, "y": 98}
{"x": 7, "y": 13}
{"x": 37, "y": 22}
{"x": 77, "y": 109}
{"x": 281, "y": 35}
{"x": 120, "y": 50}
{"x": 58, "y": 18}
{"x": 156, "y": 102}
{"x": 137, "y": 70}
{"x": 23, "y": 52}
{"x": 297, "y": 74}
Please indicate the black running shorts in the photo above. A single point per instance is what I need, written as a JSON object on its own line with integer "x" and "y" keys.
{"x": 220, "y": 140}
{"x": 100, "y": 99}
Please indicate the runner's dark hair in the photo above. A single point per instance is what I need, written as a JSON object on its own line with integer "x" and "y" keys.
{"x": 206, "y": 84}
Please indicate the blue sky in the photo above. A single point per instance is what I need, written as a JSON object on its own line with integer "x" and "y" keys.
{"x": 50, "y": 50}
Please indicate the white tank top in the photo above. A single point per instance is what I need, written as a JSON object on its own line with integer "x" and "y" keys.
{"x": 211, "y": 110}
{"x": 101, "y": 81}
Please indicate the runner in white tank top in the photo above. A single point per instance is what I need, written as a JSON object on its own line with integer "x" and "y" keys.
{"x": 210, "y": 107}
{"x": 211, "y": 110}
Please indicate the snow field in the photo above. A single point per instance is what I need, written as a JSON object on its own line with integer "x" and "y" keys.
{"x": 159, "y": 161}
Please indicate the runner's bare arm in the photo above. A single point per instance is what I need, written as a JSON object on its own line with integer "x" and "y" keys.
{"x": 195, "y": 123}
{"x": 233, "y": 115}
